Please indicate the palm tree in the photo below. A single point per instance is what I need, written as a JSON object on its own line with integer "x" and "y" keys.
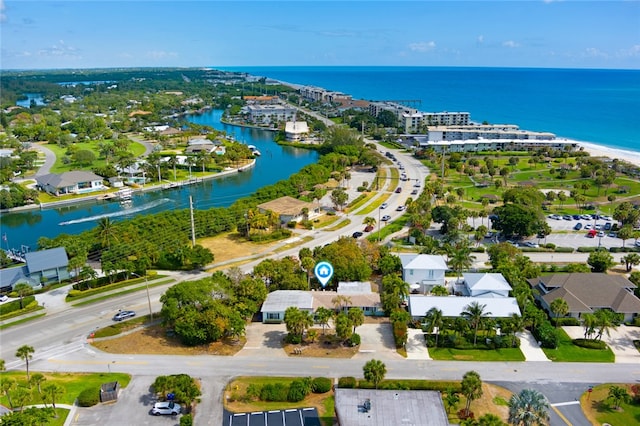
{"x": 374, "y": 371}
{"x": 630, "y": 260}
{"x": 528, "y": 408}
{"x": 37, "y": 380}
{"x": 451, "y": 399}
{"x": 517, "y": 325}
{"x": 460, "y": 259}
{"x": 474, "y": 313}
{"x": 559, "y": 307}
{"x": 471, "y": 387}
{"x": 434, "y": 319}
{"x": 323, "y": 315}
{"x": 618, "y": 395}
{"x": 356, "y": 316}
{"x": 589, "y": 324}
{"x": 25, "y": 353}
{"x": 106, "y": 232}
{"x": 51, "y": 393}
{"x": 604, "y": 321}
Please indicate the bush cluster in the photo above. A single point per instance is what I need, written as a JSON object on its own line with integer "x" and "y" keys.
{"x": 321, "y": 385}
{"x": 566, "y": 321}
{"x": 547, "y": 335}
{"x": 590, "y": 344}
{"x": 14, "y": 305}
{"x": 296, "y": 391}
{"x": 89, "y": 397}
{"x": 466, "y": 342}
{"x": 624, "y": 249}
{"x": 347, "y": 382}
{"x": 563, "y": 249}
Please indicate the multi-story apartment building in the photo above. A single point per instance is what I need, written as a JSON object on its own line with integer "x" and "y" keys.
{"x": 267, "y": 114}
{"x": 414, "y": 121}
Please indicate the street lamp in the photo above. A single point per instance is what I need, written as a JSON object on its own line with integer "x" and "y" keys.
{"x": 146, "y": 283}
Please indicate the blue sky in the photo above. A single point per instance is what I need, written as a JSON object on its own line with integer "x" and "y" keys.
{"x": 148, "y": 33}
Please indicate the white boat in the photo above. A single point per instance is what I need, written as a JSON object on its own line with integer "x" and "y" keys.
{"x": 124, "y": 194}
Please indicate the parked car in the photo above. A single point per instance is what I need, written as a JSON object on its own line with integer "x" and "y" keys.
{"x": 384, "y": 206}
{"x": 368, "y": 228}
{"x": 531, "y": 244}
{"x": 601, "y": 234}
{"x": 3, "y": 298}
{"x": 578, "y": 226}
{"x": 385, "y": 218}
{"x": 357, "y": 234}
{"x": 576, "y": 217}
{"x": 592, "y": 233}
{"x": 637, "y": 243}
{"x": 555, "y": 216}
{"x": 588, "y": 226}
{"x": 398, "y": 190}
{"x": 123, "y": 315}
{"x": 607, "y": 226}
{"x": 166, "y": 408}
{"x": 567, "y": 217}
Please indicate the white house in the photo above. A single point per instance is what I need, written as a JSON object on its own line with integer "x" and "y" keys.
{"x": 453, "y": 306}
{"x": 75, "y": 182}
{"x": 423, "y": 271}
{"x": 483, "y": 285}
{"x": 296, "y": 130}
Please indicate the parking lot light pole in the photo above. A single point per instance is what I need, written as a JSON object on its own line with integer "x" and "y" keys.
{"x": 146, "y": 283}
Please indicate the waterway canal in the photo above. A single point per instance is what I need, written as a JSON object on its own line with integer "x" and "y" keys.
{"x": 276, "y": 163}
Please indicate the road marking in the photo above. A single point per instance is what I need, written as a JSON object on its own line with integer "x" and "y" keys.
{"x": 564, "y": 419}
{"x": 62, "y": 361}
{"x": 562, "y": 404}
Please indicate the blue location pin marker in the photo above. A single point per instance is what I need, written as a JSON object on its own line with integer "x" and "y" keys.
{"x": 324, "y": 272}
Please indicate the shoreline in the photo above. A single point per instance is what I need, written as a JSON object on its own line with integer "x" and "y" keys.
{"x": 597, "y": 150}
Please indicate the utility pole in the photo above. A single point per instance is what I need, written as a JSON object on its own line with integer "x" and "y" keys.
{"x": 193, "y": 226}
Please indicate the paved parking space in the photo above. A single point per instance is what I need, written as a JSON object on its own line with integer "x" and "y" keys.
{"x": 376, "y": 340}
{"x": 620, "y": 341}
{"x": 265, "y": 338}
{"x": 416, "y": 345}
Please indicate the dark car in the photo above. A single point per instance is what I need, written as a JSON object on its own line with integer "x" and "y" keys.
{"x": 578, "y": 226}
{"x": 398, "y": 190}
{"x": 123, "y": 315}
{"x": 357, "y": 234}
{"x": 607, "y": 226}
{"x": 576, "y": 217}
{"x": 368, "y": 228}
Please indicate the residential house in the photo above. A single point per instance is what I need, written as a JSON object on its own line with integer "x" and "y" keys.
{"x": 377, "y": 407}
{"x": 296, "y": 130}
{"x": 42, "y": 267}
{"x": 488, "y": 289}
{"x": 588, "y": 292}
{"x": 423, "y": 271}
{"x": 290, "y": 209}
{"x": 75, "y": 182}
{"x": 356, "y": 294}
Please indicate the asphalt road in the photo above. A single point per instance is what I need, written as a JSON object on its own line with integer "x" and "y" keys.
{"x": 60, "y": 342}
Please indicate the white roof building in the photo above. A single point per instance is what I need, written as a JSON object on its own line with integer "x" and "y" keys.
{"x": 453, "y": 306}
{"x": 295, "y": 130}
{"x": 485, "y": 285}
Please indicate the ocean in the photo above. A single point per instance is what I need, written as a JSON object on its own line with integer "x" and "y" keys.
{"x": 596, "y": 106}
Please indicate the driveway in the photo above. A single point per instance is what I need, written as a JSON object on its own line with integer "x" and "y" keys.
{"x": 620, "y": 340}
{"x": 416, "y": 345}
{"x": 376, "y": 341}
{"x": 264, "y": 339}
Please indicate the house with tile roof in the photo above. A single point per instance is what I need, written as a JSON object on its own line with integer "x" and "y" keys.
{"x": 75, "y": 182}
{"x": 588, "y": 292}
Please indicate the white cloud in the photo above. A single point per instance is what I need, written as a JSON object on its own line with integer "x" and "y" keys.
{"x": 60, "y": 49}
{"x": 592, "y": 52}
{"x": 510, "y": 43}
{"x": 480, "y": 39}
{"x": 3, "y": 17}
{"x": 422, "y": 46}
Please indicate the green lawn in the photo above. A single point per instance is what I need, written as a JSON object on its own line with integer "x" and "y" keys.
{"x": 597, "y": 407}
{"x": 450, "y": 354}
{"x": 137, "y": 149}
{"x": 73, "y": 383}
{"x": 568, "y": 352}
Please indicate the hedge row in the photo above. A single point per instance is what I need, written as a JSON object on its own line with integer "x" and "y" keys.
{"x": 435, "y": 385}
{"x": 14, "y": 305}
{"x": 590, "y": 344}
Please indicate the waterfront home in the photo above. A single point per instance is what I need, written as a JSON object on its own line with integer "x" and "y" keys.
{"x": 423, "y": 271}
{"x": 290, "y": 209}
{"x": 296, "y": 130}
{"x": 41, "y": 267}
{"x": 75, "y": 182}
{"x": 588, "y": 292}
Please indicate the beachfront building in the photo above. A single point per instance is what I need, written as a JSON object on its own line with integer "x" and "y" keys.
{"x": 75, "y": 182}
{"x": 296, "y": 130}
{"x": 399, "y": 110}
{"x": 269, "y": 114}
{"x": 414, "y": 121}
{"x": 318, "y": 94}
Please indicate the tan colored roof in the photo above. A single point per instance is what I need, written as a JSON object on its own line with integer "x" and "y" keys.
{"x": 585, "y": 292}
{"x": 324, "y": 299}
{"x": 286, "y": 205}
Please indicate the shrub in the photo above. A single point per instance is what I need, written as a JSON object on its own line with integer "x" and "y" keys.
{"x": 292, "y": 224}
{"x": 587, "y": 249}
{"x": 347, "y": 382}
{"x": 276, "y": 392}
{"x": 566, "y": 321}
{"x": 547, "y": 335}
{"x": 294, "y": 339}
{"x": 362, "y": 189}
{"x": 297, "y": 391}
{"x": 563, "y": 249}
{"x": 186, "y": 420}
{"x": 321, "y": 385}
{"x": 354, "y": 340}
{"x": 14, "y": 305}
{"x": 89, "y": 397}
{"x": 590, "y": 344}
{"x": 550, "y": 246}
{"x": 478, "y": 249}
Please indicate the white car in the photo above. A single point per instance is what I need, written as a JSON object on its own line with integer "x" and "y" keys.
{"x": 3, "y": 298}
{"x": 531, "y": 244}
{"x": 384, "y": 206}
{"x": 166, "y": 408}
{"x": 385, "y": 218}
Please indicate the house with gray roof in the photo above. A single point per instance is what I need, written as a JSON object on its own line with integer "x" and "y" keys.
{"x": 423, "y": 271}
{"x": 483, "y": 285}
{"x": 377, "y": 407}
{"x": 588, "y": 292}
{"x": 41, "y": 267}
{"x": 75, "y": 182}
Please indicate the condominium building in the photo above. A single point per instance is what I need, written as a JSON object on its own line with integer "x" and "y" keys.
{"x": 267, "y": 114}
{"x": 414, "y": 121}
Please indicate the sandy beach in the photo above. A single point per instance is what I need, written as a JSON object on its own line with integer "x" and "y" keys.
{"x": 595, "y": 150}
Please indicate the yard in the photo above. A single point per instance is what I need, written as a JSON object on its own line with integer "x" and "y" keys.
{"x": 568, "y": 352}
